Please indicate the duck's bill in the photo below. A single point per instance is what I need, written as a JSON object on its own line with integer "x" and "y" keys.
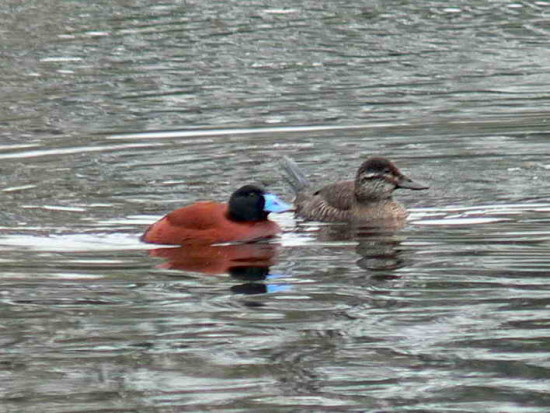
{"x": 408, "y": 183}
{"x": 275, "y": 204}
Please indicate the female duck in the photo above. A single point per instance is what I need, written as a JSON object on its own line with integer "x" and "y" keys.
{"x": 244, "y": 218}
{"x": 367, "y": 198}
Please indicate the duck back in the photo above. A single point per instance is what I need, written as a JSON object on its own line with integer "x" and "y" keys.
{"x": 208, "y": 223}
{"x": 337, "y": 203}
{"x": 332, "y": 203}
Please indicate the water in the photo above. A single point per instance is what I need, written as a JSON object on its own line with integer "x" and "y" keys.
{"x": 114, "y": 113}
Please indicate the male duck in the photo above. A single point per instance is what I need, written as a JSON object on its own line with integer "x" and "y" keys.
{"x": 243, "y": 219}
{"x": 367, "y": 198}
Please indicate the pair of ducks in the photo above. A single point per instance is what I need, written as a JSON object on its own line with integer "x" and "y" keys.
{"x": 244, "y": 218}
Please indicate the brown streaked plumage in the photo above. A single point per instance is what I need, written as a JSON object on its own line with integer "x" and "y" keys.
{"x": 367, "y": 198}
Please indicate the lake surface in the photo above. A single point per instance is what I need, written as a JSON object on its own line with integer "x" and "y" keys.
{"x": 114, "y": 113}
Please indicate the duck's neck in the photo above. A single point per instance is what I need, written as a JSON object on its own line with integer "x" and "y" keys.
{"x": 246, "y": 215}
{"x": 372, "y": 198}
{"x": 375, "y": 191}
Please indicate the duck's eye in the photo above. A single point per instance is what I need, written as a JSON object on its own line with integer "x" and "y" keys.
{"x": 387, "y": 171}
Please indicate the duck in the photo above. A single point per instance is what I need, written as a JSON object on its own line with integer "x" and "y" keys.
{"x": 243, "y": 219}
{"x": 367, "y": 198}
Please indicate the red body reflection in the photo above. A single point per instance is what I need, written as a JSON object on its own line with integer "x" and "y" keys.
{"x": 217, "y": 259}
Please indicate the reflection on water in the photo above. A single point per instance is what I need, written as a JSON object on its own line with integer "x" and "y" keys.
{"x": 379, "y": 251}
{"x": 377, "y": 246}
{"x": 249, "y": 263}
{"x": 217, "y": 259}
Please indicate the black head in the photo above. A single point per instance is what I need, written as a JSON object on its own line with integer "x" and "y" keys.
{"x": 247, "y": 204}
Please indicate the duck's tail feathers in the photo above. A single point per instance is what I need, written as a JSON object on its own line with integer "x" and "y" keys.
{"x": 294, "y": 175}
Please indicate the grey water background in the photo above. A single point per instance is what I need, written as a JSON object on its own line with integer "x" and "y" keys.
{"x": 115, "y": 112}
